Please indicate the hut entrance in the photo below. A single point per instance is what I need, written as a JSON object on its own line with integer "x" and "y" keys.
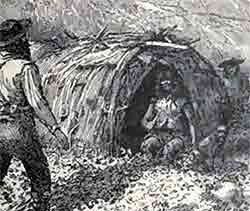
{"x": 132, "y": 133}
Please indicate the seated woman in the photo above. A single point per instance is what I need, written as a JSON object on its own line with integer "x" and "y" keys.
{"x": 169, "y": 118}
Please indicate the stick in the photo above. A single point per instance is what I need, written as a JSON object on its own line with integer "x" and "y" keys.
{"x": 169, "y": 29}
{"x": 163, "y": 44}
{"x": 71, "y": 34}
{"x": 101, "y": 33}
{"x": 193, "y": 41}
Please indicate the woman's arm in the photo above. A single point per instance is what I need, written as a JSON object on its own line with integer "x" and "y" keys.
{"x": 189, "y": 116}
{"x": 147, "y": 121}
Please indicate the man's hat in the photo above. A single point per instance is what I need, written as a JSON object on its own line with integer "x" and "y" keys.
{"x": 12, "y": 29}
{"x": 231, "y": 62}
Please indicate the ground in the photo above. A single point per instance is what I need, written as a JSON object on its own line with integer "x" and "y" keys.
{"x": 83, "y": 182}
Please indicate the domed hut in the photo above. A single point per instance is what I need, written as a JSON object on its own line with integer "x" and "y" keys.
{"x": 100, "y": 87}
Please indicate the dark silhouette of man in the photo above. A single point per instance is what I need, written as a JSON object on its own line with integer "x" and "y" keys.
{"x": 21, "y": 100}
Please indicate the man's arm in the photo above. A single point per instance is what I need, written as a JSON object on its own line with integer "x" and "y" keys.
{"x": 33, "y": 92}
{"x": 32, "y": 88}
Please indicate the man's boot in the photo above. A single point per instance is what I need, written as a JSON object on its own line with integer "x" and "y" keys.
{"x": 5, "y": 161}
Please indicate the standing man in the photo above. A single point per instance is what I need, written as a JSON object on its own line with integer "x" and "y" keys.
{"x": 21, "y": 100}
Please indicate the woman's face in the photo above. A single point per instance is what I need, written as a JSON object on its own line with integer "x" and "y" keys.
{"x": 167, "y": 81}
{"x": 165, "y": 85}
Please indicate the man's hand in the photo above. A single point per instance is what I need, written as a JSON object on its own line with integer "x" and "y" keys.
{"x": 62, "y": 138}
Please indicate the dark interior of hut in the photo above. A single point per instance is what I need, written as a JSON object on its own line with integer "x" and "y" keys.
{"x": 132, "y": 133}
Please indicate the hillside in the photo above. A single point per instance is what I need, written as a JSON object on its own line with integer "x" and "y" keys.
{"x": 223, "y": 26}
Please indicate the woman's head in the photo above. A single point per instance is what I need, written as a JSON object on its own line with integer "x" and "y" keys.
{"x": 168, "y": 81}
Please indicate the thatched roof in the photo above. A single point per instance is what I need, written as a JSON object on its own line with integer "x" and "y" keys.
{"x": 93, "y": 82}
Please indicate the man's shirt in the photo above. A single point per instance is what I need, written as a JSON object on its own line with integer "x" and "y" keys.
{"x": 20, "y": 85}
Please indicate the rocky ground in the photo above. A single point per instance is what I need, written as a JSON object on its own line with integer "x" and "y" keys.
{"x": 84, "y": 181}
{"x": 134, "y": 184}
